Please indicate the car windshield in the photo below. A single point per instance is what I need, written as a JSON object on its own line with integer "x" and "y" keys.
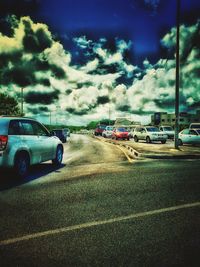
{"x": 102, "y": 126}
{"x": 152, "y": 129}
{"x": 110, "y": 128}
{"x": 168, "y": 128}
{"x": 195, "y": 126}
{"x": 121, "y": 129}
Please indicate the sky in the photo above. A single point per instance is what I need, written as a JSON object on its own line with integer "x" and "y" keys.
{"x": 81, "y": 60}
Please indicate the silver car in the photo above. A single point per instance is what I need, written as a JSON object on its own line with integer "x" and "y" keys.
{"x": 149, "y": 134}
{"x": 24, "y": 142}
{"x": 168, "y": 130}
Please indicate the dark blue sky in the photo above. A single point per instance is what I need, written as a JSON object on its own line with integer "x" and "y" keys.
{"x": 143, "y": 22}
{"x": 137, "y": 20}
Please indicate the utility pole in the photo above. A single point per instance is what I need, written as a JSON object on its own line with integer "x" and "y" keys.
{"x": 50, "y": 118}
{"x": 22, "y": 101}
{"x": 177, "y": 75}
{"x": 109, "y": 114}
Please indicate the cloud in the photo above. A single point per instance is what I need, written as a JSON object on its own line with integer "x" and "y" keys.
{"x": 82, "y": 42}
{"x": 47, "y": 97}
{"x": 189, "y": 62}
{"x": 106, "y": 83}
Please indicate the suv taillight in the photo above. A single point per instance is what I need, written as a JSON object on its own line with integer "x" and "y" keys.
{"x": 3, "y": 141}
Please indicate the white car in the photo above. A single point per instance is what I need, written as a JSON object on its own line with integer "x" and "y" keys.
{"x": 25, "y": 142}
{"x": 168, "y": 130}
{"x": 149, "y": 134}
{"x": 107, "y": 133}
{"x": 189, "y": 136}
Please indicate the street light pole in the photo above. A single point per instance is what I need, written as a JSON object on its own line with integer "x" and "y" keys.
{"x": 22, "y": 101}
{"x": 177, "y": 75}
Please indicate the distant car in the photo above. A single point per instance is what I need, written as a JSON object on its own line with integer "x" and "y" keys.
{"x": 99, "y": 129}
{"x": 189, "y": 136}
{"x": 107, "y": 133}
{"x": 66, "y": 132}
{"x": 168, "y": 130}
{"x": 131, "y": 133}
{"x": 120, "y": 133}
{"x": 149, "y": 134}
{"x": 24, "y": 142}
{"x": 61, "y": 134}
{"x": 194, "y": 126}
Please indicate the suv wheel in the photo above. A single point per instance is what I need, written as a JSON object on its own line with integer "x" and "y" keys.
{"x": 22, "y": 164}
{"x": 59, "y": 156}
{"x": 163, "y": 141}
{"x": 135, "y": 139}
{"x": 148, "y": 140}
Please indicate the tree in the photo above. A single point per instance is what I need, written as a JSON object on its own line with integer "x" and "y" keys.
{"x": 8, "y": 105}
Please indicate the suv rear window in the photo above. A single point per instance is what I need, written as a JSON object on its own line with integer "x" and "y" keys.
{"x": 28, "y": 128}
{"x": 15, "y": 128}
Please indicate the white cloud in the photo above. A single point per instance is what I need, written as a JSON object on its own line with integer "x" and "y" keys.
{"x": 82, "y": 42}
{"x": 80, "y": 92}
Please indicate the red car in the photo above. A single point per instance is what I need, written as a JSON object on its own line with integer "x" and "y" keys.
{"x": 100, "y": 128}
{"x": 120, "y": 133}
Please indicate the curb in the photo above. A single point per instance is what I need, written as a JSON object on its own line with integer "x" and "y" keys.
{"x": 133, "y": 153}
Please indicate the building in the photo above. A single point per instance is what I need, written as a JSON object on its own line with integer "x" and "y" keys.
{"x": 163, "y": 118}
{"x": 126, "y": 123}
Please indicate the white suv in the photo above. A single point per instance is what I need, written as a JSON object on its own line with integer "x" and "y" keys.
{"x": 108, "y": 131}
{"x": 24, "y": 142}
{"x": 149, "y": 133}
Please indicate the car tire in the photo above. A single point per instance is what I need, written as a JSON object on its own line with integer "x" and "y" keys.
{"x": 180, "y": 142}
{"x": 127, "y": 138}
{"x": 59, "y": 156}
{"x": 148, "y": 140}
{"x": 163, "y": 141}
{"x": 116, "y": 138}
{"x": 135, "y": 139}
{"x": 21, "y": 165}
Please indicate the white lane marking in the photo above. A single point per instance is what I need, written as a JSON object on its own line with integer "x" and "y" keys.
{"x": 96, "y": 223}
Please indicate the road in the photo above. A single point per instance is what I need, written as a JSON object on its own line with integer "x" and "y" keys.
{"x": 100, "y": 210}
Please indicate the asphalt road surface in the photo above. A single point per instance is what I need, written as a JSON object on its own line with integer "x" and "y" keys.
{"x": 100, "y": 210}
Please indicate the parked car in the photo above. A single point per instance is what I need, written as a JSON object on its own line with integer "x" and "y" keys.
{"x": 99, "y": 129}
{"x": 67, "y": 132}
{"x": 149, "y": 134}
{"x": 168, "y": 130}
{"x": 107, "y": 132}
{"x": 131, "y": 133}
{"x": 61, "y": 134}
{"x": 194, "y": 126}
{"x": 24, "y": 142}
{"x": 189, "y": 136}
{"x": 120, "y": 133}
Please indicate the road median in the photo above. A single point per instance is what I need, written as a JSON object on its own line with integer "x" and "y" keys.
{"x": 155, "y": 150}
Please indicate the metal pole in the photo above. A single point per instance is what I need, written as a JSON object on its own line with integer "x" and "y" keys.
{"x": 177, "y": 75}
{"x": 22, "y": 102}
{"x": 109, "y": 114}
